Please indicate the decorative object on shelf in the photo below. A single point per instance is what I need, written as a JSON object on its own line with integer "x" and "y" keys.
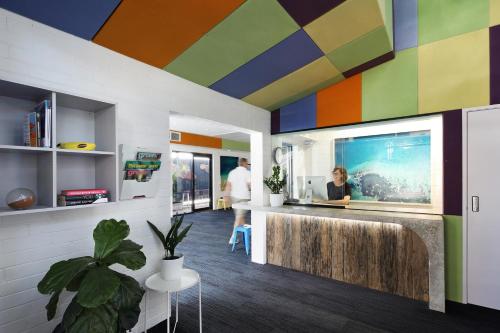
{"x": 276, "y": 184}
{"x": 171, "y": 265}
{"x": 77, "y": 145}
{"x": 83, "y": 197}
{"x": 105, "y": 300}
{"x": 140, "y": 172}
{"x": 20, "y": 198}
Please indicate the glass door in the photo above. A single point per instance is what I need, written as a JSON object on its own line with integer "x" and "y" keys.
{"x": 182, "y": 182}
{"x": 191, "y": 182}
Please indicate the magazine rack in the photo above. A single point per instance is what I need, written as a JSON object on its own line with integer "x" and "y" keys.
{"x": 131, "y": 188}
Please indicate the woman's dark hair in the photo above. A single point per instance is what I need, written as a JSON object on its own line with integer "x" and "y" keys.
{"x": 343, "y": 172}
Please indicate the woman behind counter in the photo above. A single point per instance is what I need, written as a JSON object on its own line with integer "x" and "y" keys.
{"x": 339, "y": 192}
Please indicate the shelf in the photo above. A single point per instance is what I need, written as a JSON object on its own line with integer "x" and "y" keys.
{"x": 6, "y": 211}
{"x": 13, "y": 148}
{"x": 84, "y": 152}
{"x": 48, "y": 170}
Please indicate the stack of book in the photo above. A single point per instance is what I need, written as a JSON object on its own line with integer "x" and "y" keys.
{"x": 37, "y": 129}
{"x": 83, "y": 197}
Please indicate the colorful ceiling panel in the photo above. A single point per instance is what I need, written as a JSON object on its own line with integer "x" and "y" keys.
{"x": 266, "y": 52}
{"x": 158, "y": 31}
{"x": 252, "y": 29}
{"x": 79, "y": 18}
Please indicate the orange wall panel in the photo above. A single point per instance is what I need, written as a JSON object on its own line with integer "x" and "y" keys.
{"x": 157, "y": 31}
{"x": 199, "y": 140}
{"x": 340, "y": 103}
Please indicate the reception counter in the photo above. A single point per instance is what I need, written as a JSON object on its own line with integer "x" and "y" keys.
{"x": 399, "y": 253}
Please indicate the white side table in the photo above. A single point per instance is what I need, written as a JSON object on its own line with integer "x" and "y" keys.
{"x": 189, "y": 278}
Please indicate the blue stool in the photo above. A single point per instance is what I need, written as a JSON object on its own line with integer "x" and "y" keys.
{"x": 246, "y": 230}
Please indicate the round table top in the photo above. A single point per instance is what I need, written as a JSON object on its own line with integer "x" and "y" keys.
{"x": 188, "y": 279}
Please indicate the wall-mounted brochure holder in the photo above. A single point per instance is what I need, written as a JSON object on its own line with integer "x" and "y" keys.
{"x": 139, "y": 172}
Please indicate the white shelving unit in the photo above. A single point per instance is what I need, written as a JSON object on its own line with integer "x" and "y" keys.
{"x": 48, "y": 171}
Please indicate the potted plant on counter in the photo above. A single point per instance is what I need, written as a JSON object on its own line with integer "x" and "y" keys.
{"x": 276, "y": 184}
{"x": 171, "y": 265}
{"x": 105, "y": 301}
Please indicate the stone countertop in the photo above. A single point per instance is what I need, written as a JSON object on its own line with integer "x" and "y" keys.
{"x": 429, "y": 227}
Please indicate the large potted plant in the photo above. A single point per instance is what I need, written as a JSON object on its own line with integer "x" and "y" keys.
{"x": 105, "y": 301}
{"x": 276, "y": 184}
{"x": 171, "y": 265}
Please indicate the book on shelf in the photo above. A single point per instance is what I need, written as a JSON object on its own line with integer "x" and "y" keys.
{"x": 87, "y": 191}
{"x": 37, "y": 129}
{"x": 68, "y": 201}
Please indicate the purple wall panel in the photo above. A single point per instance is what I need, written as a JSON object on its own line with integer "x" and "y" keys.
{"x": 405, "y": 24}
{"x": 275, "y": 121}
{"x": 495, "y": 65}
{"x": 306, "y": 11}
{"x": 292, "y": 53}
{"x": 452, "y": 162}
{"x": 299, "y": 115}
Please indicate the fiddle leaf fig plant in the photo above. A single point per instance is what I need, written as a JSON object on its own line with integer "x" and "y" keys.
{"x": 173, "y": 237}
{"x": 105, "y": 301}
{"x": 275, "y": 182}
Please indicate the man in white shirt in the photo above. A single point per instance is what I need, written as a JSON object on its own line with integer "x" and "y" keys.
{"x": 238, "y": 188}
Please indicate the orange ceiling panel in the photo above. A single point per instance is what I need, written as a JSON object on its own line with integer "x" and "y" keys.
{"x": 191, "y": 139}
{"x": 157, "y": 31}
{"x": 340, "y": 103}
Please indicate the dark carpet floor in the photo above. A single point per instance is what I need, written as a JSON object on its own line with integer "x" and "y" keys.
{"x": 239, "y": 296}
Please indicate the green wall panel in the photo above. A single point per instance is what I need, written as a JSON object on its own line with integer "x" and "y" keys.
{"x": 391, "y": 90}
{"x": 361, "y": 50}
{"x": 389, "y": 21}
{"x": 250, "y": 30}
{"x": 235, "y": 145}
{"x": 440, "y": 19}
{"x": 453, "y": 257}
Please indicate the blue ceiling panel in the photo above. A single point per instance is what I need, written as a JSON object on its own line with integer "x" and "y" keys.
{"x": 299, "y": 115}
{"x": 82, "y": 18}
{"x": 405, "y": 24}
{"x": 292, "y": 53}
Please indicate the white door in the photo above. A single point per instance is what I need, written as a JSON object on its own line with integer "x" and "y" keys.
{"x": 483, "y": 213}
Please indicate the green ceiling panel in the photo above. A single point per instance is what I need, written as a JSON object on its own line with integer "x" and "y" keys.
{"x": 306, "y": 92}
{"x": 235, "y": 145}
{"x": 390, "y": 90}
{"x": 389, "y": 21}
{"x": 446, "y": 18}
{"x": 253, "y": 28}
{"x": 361, "y": 50}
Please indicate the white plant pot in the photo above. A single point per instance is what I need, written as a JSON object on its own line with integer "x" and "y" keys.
{"x": 276, "y": 200}
{"x": 171, "y": 269}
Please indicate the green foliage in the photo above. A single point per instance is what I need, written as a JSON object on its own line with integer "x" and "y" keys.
{"x": 173, "y": 237}
{"x": 274, "y": 182}
{"x": 106, "y": 301}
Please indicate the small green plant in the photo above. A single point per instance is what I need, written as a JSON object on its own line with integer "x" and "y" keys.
{"x": 274, "y": 182}
{"x": 173, "y": 237}
{"x": 106, "y": 301}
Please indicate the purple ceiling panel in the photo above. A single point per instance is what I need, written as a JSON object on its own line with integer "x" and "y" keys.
{"x": 306, "y": 11}
{"x": 495, "y": 65}
{"x": 292, "y": 53}
{"x": 82, "y": 18}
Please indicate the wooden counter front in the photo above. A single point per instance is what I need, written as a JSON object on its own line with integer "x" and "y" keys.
{"x": 382, "y": 256}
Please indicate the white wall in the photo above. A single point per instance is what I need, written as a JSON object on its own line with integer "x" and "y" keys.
{"x": 37, "y": 55}
{"x": 216, "y": 154}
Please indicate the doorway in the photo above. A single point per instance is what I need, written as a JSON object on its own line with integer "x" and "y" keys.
{"x": 191, "y": 182}
{"x": 483, "y": 224}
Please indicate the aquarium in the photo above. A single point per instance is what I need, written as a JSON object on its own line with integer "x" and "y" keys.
{"x": 388, "y": 164}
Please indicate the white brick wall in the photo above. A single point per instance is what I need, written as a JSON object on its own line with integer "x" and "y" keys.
{"x": 34, "y": 54}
